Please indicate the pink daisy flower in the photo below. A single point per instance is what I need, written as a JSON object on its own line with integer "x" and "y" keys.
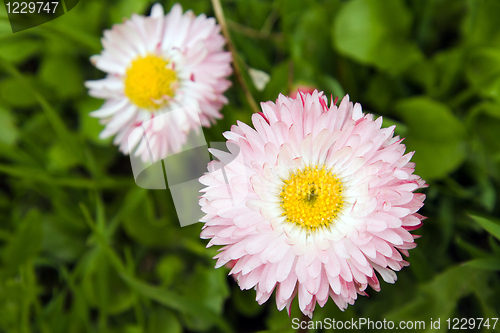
{"x": 318, "y": 200}
{"x": 154, "y": 65}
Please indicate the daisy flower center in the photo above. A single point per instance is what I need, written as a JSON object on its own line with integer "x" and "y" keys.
{"x": 149, "y": 82}
{"x": 311, "y": 198}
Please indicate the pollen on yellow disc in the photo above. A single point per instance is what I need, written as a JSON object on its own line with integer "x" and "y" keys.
{"x": 148, "y": 82}
{"x": 312, "y": 198}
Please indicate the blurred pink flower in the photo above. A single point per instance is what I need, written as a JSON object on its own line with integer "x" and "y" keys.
{"x": 157, "y": 64}
{"x": 303, "y": 88}
{"x": 328, "y": 201}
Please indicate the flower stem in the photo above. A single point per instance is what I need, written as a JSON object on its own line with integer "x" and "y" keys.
{"x": 237, "y": 69}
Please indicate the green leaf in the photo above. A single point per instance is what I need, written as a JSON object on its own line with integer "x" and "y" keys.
{"x": 68, "y": 81}
{"x": 18, "y": 50}
{"x": 131, "y": 329}
{"x": 169, "y": 268}
{"x": 61, "y": 239}
{"x": 60, "y": 159}
{"x": 491, "y": 263}
{"x": 5, "y": 29}
{"x": 316, "y": 51}
{"x": 488, "y": 225}
{"x": 13, "y": 92}
{"x": 435, "y": 134}
{"x": 244, "y": 301}
{"x": 124, "y": 9}
{"x": 52, "y": 115}
{"x": 278, "y": 82}
{"x": 198, "y": 7}
{"x": 440, "y": 75}
{"x": 8, "y": 130}
{"x": 487, "y": 299}
{"x": 491, "y": 109}
{"x": 103, "y": 287}
{"x": 483, "y": 71}
{"x": 481, "y": 25}
{"x": 471, "y": 249}
{"x": 486, "y": 127}
{"x": 164, "y": 321}
{"x": 144, "y": 226}
{"x": 331, "y": 86}
{"x": 376, "y": 33}
{"x": 176, "y": 302}
{"x": 401, "y": 129}
{"x": 381, "y": 93}
{"x": 439, "y": 297}
{"x": 280, "y": 321}
{"x": 13, "y": 297}
{"x": 448, "y": 70}
{"x": 52, "y": 313}
{"x": 207, "y": 287}
{"x": 87, "y": 18}
{"x": 25, "y": 243}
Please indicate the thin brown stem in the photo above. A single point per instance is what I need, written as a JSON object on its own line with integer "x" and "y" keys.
{"x": 270, "y": 20}
{"x": 255, "y": 34}
{"x": 237, "y": 69}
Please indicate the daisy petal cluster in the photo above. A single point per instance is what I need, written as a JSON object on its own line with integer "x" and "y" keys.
{"x": 154, "y": 65}
{"x": 314, "y": 202}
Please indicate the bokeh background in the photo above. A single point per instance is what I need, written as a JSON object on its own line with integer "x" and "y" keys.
{"x": 83, "y": 249}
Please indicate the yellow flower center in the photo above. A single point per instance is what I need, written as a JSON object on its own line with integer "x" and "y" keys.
{"x": 148, "y": 82}
{"x": 312, "y": 198}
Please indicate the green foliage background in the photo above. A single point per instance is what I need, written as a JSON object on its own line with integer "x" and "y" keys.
{"x": 83, "y": 249}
